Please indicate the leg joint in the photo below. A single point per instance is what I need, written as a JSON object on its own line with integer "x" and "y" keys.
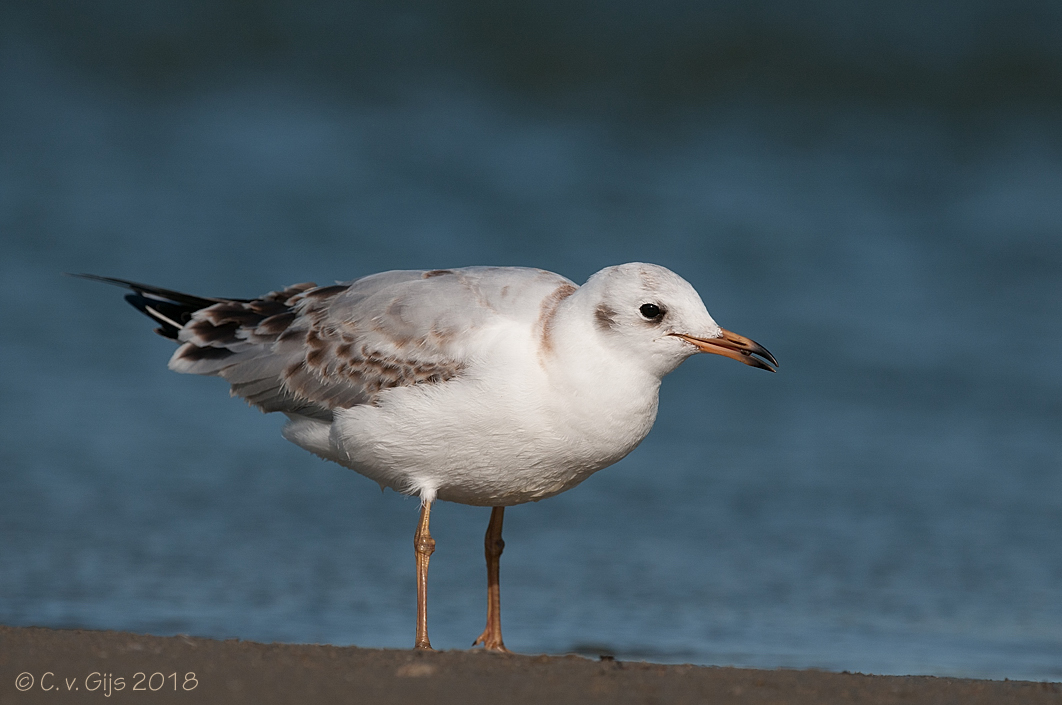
{"x": 494, "y": 546}
{"x": 424, "y": 545}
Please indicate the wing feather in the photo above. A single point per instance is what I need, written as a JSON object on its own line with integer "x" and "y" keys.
{"x": 310, "y": 349}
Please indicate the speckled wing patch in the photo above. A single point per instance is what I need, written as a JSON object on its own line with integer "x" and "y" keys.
{"x": 289, "y": 351}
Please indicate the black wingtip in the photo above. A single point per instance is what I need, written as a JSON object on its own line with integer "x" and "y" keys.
{"x": 124, "y": 283}
{"x": 98, "y": 278}
{"x": 154, "y": 292}
{"x": 170, "y": 309}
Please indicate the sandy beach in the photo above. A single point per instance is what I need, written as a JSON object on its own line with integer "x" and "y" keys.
{"x": 103, "y": 666}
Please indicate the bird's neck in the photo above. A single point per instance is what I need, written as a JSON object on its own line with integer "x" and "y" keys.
{"x": 605, "y": 390}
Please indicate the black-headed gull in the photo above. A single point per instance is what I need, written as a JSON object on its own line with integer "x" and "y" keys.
{"x": 490, "y": 386}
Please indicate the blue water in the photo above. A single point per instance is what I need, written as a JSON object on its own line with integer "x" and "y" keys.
{"x": 875, "y": 198}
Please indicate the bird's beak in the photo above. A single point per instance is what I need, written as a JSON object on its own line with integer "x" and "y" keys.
{"x": 736, "y": 347}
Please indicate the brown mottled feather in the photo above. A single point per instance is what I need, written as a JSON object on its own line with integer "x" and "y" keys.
{"x": 549, "y": 307}
{"x": 288, "y": 351}
{"x": 309, "y": 350}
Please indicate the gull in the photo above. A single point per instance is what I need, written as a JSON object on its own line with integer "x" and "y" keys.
{"x": 488, "y": 386}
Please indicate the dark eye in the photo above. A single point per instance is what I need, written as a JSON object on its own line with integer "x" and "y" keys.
{"x": 651, "y": 312}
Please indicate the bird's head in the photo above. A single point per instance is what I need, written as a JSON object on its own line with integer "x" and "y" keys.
{"x": 654, "y": 314}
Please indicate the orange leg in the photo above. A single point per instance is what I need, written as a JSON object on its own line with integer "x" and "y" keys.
{"x": 491, "y": 638}
{"x": 424, "y": 545}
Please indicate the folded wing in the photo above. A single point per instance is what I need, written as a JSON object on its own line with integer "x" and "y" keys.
{"x": 309, "y": 350}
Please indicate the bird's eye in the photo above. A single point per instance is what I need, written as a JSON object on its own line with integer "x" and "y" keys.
{"x": 651, "y": 312}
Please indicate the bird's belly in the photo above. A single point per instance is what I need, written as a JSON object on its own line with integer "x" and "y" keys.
{"x": 539, "y": 472}
{"x": 470, "y": 453}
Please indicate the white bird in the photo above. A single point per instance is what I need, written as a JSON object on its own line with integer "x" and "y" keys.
{"x": 489, "y": 386}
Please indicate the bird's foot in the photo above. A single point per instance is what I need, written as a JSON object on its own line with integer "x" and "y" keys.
{"x": 491, "y": 642}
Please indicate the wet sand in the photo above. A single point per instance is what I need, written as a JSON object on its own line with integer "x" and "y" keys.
{"x": 61, "y": 666}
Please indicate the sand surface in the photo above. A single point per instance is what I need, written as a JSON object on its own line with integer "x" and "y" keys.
{"x": 61, "y": 666}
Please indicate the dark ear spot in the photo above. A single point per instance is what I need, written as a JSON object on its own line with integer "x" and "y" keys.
{"x": 605, "y": 317}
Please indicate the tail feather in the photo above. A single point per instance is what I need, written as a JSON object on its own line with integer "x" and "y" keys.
{"x": 240, "y": 341}
{"x": 170, "y": 309}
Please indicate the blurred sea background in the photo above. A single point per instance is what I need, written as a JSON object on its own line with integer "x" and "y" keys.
{"x": 872, "y": 191}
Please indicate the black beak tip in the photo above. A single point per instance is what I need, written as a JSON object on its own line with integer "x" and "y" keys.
{"x": 768, "y": 362}
{"x": 770, "y": 365}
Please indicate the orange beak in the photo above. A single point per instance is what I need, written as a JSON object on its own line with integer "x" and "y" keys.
{"x": 736, "y": 347}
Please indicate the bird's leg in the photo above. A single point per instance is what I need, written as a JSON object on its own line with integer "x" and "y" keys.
{"x": 491, "y": 638}
{"x": 424, "y": 546}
